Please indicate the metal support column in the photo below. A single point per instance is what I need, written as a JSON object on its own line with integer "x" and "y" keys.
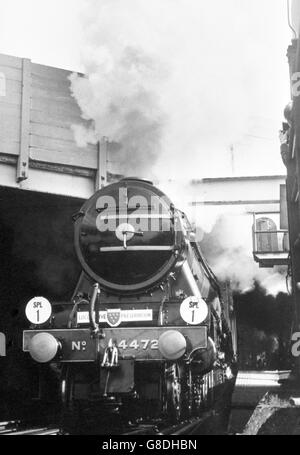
{"x": 23, "y": 160}
{"x": 101, "y": 177}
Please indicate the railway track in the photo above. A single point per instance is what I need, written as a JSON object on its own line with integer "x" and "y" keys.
{"x": 9, "y": 427}
{"x": 37, "y": 432}
{"x": 15, "y": 428}
{"x": 184, "y": 428}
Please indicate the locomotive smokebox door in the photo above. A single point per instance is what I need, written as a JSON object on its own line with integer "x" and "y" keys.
{"x": 118, "y": 380}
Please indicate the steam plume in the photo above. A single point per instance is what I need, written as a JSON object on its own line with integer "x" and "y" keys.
{"x": 177, "y": 82}
{"x": 228, "y": 247}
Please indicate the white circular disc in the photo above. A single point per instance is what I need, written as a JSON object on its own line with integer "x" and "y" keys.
{"x": 193, "y": 310}
{"x": 38, "y": 310}
{"x": 125, "y": 228}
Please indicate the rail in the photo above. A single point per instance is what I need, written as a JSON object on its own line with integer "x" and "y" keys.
{"x": 17, "y": 428}
{"x": 183, "y": 428}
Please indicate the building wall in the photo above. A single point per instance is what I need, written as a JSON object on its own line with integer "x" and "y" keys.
{"x": 239, "y": 197}
{"x": 38, "y": 117}
{"x": 258, "y": 193}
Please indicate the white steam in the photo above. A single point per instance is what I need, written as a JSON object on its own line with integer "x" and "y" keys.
{"x": 229, "y": 249}
{"x": 179, "y": 82}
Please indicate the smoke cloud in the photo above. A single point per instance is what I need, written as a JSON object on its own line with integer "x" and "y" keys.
{"x": 228, "y": 247}
{"x": 182, "y": 83}
{"x": 121, "y": 95}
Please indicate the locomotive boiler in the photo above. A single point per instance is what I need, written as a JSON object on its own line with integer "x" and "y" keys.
{"x": 148, "y": 330}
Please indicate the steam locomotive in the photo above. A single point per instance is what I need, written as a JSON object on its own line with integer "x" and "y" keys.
{"x": 148, "y": 330}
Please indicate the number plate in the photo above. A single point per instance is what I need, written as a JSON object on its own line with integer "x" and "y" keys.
{"x": 143, "y": 343}
{"x": 138, "y": 344}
